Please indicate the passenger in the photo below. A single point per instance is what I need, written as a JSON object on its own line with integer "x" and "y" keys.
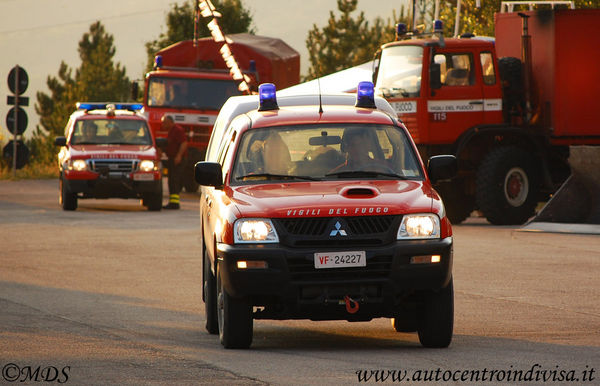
{"x": 114, "y": 133}
{"x": 89, "y": 132}
{"x": 270, "y": 155}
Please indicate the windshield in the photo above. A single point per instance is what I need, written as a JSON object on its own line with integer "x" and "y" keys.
{"x": 317, "y": 152}
{"x": 111, "y": 131}
{"x": 204, "y": 94}
{"x": 400, "y": 72}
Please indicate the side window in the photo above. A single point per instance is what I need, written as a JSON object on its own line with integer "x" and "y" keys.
{"x": 487, "y": 66}
{"x": 456, "y": 69}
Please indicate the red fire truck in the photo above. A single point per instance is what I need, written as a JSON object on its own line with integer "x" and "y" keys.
{"x": 191, "y": 81}
{"x": 508, "y": 108}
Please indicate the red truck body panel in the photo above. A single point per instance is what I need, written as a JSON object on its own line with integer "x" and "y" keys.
{"x": 565, "y": 69}
{"x": 276, "y": 62}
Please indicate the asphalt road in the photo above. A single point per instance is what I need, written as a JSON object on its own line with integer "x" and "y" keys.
{"x": 110, "y": 294}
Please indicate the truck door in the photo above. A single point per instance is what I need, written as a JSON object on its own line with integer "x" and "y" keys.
{"x": 459, "y": 103}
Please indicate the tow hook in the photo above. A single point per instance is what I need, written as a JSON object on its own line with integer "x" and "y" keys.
{"x": 351, "y": 305}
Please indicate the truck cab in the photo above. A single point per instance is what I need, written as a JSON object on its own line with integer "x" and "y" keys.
{"x": 191, "y": 81}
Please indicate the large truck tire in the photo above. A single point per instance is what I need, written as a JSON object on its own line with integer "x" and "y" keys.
{"x": 507, "y": 186}
{"x": 510, "y": 70}
{"x": 458, "y": 204}
{"x": 235, "y": 318}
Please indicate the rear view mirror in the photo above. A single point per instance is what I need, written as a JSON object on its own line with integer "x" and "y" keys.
{"x": 435, "y": 76}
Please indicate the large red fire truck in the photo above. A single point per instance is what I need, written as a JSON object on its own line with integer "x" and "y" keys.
{"x": 191, "y": 81}
{"x": 508, "y": 108}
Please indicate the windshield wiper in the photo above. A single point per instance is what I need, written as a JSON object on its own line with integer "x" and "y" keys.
{"x": 364, "y": 173}
{"x": 276, "y": 176}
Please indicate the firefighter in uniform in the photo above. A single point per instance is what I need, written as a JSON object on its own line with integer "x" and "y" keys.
{"x": 177, "y": 156}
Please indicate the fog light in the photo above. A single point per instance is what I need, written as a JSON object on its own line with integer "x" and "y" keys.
{"x": 428, "y": 259}
{"x": 252, "y": 264}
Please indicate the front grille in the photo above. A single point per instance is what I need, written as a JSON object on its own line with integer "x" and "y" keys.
{"x": 113, "y": 166}
{"x": 337, "y": 231}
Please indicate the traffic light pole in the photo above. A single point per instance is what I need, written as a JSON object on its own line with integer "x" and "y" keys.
{"x": 16, "y": 117}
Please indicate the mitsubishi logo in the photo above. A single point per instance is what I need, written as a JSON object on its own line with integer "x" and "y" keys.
{"x": 338, "y": 230}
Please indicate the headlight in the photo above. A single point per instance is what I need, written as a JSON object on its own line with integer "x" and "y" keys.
{"x": 147, "y": 166}
{"x": 254, "y": 231}
{"x": 78, "y": 165}
{"x": 419, "y": 226}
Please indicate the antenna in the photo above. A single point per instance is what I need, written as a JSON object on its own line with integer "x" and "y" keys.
{"x": 320, "y": 102}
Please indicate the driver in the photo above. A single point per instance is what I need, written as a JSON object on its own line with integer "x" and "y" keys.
{"x": 355, "y": 145}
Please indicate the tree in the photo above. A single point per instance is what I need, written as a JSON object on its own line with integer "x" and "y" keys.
{"x": 346, "y": 42}
{"x": 480, "y": 21}
{"x": 180, "y": 24}
{"x": 98, "y": 79}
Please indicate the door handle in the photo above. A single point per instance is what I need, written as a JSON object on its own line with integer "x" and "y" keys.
{"x": 476, "y": 102}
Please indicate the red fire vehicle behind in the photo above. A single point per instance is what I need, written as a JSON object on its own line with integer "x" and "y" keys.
{"x": 191, "y": 81}
{"x": 507, "y": 108}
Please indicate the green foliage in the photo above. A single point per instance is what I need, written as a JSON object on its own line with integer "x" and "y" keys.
{"x": 347, "y": 41}
{"x": 480, "y": 21}
{"x": 97, "y": 80}
{"x": 180, "y": 24}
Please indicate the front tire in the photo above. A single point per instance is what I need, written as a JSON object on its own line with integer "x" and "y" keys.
{"x": 209, "y": 286}
{"x": 153, "y": 201}
{"x": 507, "y": 186}
{"x": 68, "y": 200}
{"x": 436, "y": 318}
{"x": 235, "y": 317}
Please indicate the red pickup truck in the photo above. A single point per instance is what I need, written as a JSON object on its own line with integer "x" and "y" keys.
{"x": 323, "y": 212}
{"x": 108, "y": 151}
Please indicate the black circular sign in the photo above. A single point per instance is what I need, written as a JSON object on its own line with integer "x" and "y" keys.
{"x": 21, "y": 120}
{"x": 22, "y": 154}
{"x": 23, "y": 80}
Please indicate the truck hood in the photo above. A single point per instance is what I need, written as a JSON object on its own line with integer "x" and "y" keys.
{"x": 112, "y": 151}
{"x": 334, "y": 198}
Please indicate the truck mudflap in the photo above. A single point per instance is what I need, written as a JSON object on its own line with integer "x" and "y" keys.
{"x": 578, "y": 199}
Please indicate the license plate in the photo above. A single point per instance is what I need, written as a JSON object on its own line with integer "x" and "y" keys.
{"x": 340, "y": 259}
{"x": 143, "y": 177}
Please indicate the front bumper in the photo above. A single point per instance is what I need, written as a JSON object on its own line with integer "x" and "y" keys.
{"x": 291, "y": 287}
{"x": 115, "y": 185}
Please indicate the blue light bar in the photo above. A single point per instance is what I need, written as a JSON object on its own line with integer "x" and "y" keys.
{"x": 438, "y": 26}
{"x": 365, "y": 95}
{"x": 267, "y": 97}
{"x": 400, "y": 30}
{"x": 90, "y": 106}
{"x": 102, "y": 106}
{"x": 158, "y": 63}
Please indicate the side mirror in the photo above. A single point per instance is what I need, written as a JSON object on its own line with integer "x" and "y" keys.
{"x": 435, "y": 76}
{"x": 60, "y": 141}
{"x": 442, "y": 167}
{"x": 161, "y": 143}
{"x": 209, "y": 174}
